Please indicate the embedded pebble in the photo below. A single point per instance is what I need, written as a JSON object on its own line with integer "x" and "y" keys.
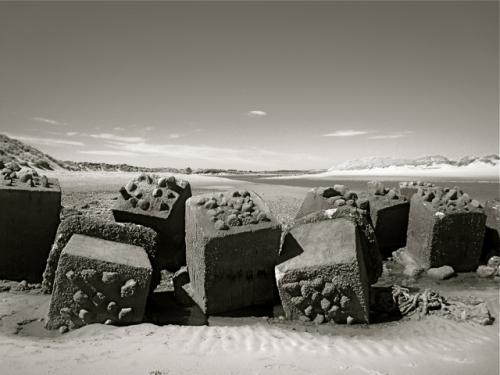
{"x": 65, "y": 312}
{"x": 112, "y": 307}
{"x": 110, "y": 277}
{"x": 144, "y": 204}
{"x": 220, "y": 225}
{"x": 125, "y": 313}
{"x": 162, "y": 182}
{"x": 88, "y": 274}
{"x": 63, "y": 329}
{"x": 308, "y": 310}
{"x": 319, "y": 319}
{"x": 349, "y": 320}
{"x": 70, "y": 275}
{"x": 128, "y": 289}
{"x": 164, "y": 206}
{"x": 98, "y": 299}
{"x": 84, "y": 315}
{"x": 124, "y": 193}
{"x": 157, "y": 193}
{"x": 80, "y": 297}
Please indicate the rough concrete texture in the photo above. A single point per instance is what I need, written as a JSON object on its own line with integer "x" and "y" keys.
{"x": 99, "y": 281}
{"x": 158, "y": 204}
{"x": 408, "y": 188}
{"x": 389, "y": 216}
{"x": 327, "y": 280}
{"x": 491, "y": 245}
{"x": 232, "y": 245}
{"x": 323, "y": 198}
{"x": 132, "y": 234}
{"x": 445, "y": 227}
{"x": 373, "y": 259}
{"x": 29, "y": 216}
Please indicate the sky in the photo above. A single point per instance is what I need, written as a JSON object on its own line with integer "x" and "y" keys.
{"x": 262, "y": 85}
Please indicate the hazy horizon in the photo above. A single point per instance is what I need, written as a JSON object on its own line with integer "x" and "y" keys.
{"x": 250, "y": 85}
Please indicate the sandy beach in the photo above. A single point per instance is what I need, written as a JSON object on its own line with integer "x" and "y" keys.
{"x": 243, "y": 345}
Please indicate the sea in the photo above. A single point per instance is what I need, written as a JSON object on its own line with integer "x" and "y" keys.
{"x": 482, "y": 190}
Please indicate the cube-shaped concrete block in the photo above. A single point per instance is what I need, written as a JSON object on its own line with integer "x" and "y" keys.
{"x": 232, "y": 245}
{"x": 160, "y": 205}
{"x": 126, "y": 233}
{"x": 29, "y": 216}
{"x": 445, "y": 227}
{"x": 324, "y": 198}
{"x": 491, "y": 245}
{"x": 99, "y": 281}
{"x": 327, "y": 280}
{"x": 389, "y": 217}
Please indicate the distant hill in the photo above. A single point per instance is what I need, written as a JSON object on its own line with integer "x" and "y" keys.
{"x": 427, "y": 162}
{"x": 13, "y": 150}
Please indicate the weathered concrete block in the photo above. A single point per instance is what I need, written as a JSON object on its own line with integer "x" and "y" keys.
{"x": 126, "y": 233}
{"x": 323, "y": 198}
{"x": 99, "y": 281}
{"x": 389, "y": 217}
{"x": 445, "y": 227}
{"x": 327, "y": 280}
{"x": 232, "y": 245}
{"x": 408, "y": 188}
{"x": 158, "y": 204}
{"x": 29, "y": 216}
{"x": 491, "y": 245}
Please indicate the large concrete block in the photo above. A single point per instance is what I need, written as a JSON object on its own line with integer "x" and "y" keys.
{"x": 327, "y": 280}
{"x": 126, "y": 233}
{"x": 158, "y": 204}
{"x": 389, "y": 217}
{"x": 491, "y": 245}
{"x": 445, "y": 227}
{"x": 232, "y": 245}
{"x": 99, "y": 281}
{"x": 29, "y": 216}
{"x": 324, "y": 198}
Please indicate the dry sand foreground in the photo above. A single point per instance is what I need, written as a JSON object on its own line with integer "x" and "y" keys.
{"x": 242, "y": 345}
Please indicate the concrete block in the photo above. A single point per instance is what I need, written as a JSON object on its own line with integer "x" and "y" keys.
{"x": 126, "y": 233}
{"x": 408, "y": 188}
{"x": 160, "y": 205}
{"x": 232, "y": 245}
{"x": 99, "y": 281}
{"x": 324, "y": 198}
{"x": 445, "y": 227}
{"x": 327, "y": 280}
{"x": 491, "y": 245}
{"x": 389, "y": 217}
{"x": 29, "y": 216}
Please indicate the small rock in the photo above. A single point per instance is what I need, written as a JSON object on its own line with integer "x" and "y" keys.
{"x": 112, "y": 307}
{"x": 325, "y": 304}
{"x": 124, "y": 193}
{"x": 63, "y": 329}
{"x": 157, "y": 193}
{"x": 80, "y": 297}
{"x": 319, "y": 319}
{"x": 308, "y": 311}
{"x": 441, "y": 273}
{"x": 486, "y": 271}
{"x": 162, "y": 182}
{"x": 494, "y": 261}
{"x": 339, "y": 203}
{"x": 349, "y": 320}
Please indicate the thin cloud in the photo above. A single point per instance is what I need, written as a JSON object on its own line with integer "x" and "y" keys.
{"x": 117, "y": 138}
{"x": 392, "y": 135}
{"x": 346, "y": 133}
{"x": 46, "y": 141}
{"x": 118, "y": 128}
{"x": 47, "y": 121}
{"x": 174, "y": 136}
{"x": 257, "y": 114}
{"x": 259, "y": 157}
{"x": 71, "y": 134}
